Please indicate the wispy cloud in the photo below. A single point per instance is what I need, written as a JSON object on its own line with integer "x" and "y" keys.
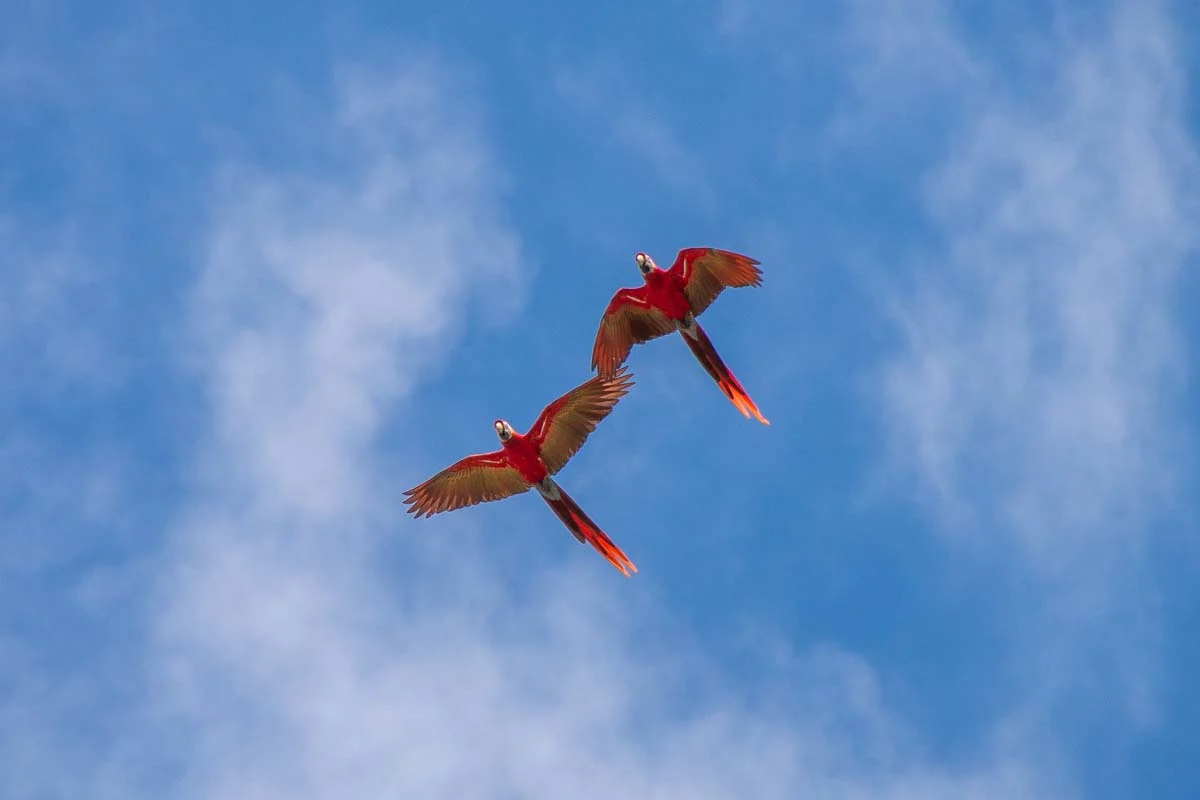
{"x": 322, "y": 299}
{"x": 1035, "y": 397}
{"x": 545, "y": 697}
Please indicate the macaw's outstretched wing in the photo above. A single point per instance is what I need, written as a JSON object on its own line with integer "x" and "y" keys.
{"x": 629, "y": 319}
{"x": 475, "y": 479}
{"x": 706, "y": 272}
{"x": 564, "y": 425}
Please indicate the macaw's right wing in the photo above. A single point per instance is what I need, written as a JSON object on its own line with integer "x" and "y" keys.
{"x": 475, "y": 479}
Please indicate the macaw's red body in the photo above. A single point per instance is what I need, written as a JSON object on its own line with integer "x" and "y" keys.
{"x": 670, "y": 300}
{"x": 529, "y": 460}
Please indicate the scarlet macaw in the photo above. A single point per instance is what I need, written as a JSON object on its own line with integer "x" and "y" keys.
{"x": 528, "y": 460}
{"x": 670, "y": 300}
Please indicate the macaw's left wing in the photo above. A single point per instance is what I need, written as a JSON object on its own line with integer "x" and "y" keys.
{"x": 564, "y": 425}
{"x": 706, "y": 272}
{"x": 474, "y": 479}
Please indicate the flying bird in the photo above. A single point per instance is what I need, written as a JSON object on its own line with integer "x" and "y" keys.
{"x": 670, "y": 300}
{"x": 528, "y": 460}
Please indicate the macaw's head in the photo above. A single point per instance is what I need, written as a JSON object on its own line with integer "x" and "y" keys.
{"x": 645, "y": 263}
{"x": 503, "y": 430}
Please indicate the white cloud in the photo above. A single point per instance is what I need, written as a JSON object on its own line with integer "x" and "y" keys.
{"x": 1035, "y": 397}
{"x": 322, "y": 299}
{"x": 1046, "y": 346}
{"x": 540, "y": 698}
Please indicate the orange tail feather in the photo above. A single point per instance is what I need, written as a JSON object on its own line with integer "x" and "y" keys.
{"x": 587, "y": 531}
{"x": 706, "y": 354}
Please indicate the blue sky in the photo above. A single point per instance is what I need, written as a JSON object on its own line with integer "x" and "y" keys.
{"x": 267, "y": 265}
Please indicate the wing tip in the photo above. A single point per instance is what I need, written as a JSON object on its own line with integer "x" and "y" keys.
{"x": 608, "y": 372}
{"x": 622, "y": 380}
{"x": 418, "y": 503}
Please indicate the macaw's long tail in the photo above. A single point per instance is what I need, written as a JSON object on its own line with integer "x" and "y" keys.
{"x": 706, "y": 354}
{"x": 583, "y": 528}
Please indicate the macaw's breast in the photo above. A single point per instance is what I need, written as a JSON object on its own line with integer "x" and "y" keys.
{"x": 523, "y": 455}
{"x": 668, "y": 296}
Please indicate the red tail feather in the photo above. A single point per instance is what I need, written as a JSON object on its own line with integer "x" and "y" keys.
{"x": 587, "y": 531}
{"x": 706, "y": 354}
